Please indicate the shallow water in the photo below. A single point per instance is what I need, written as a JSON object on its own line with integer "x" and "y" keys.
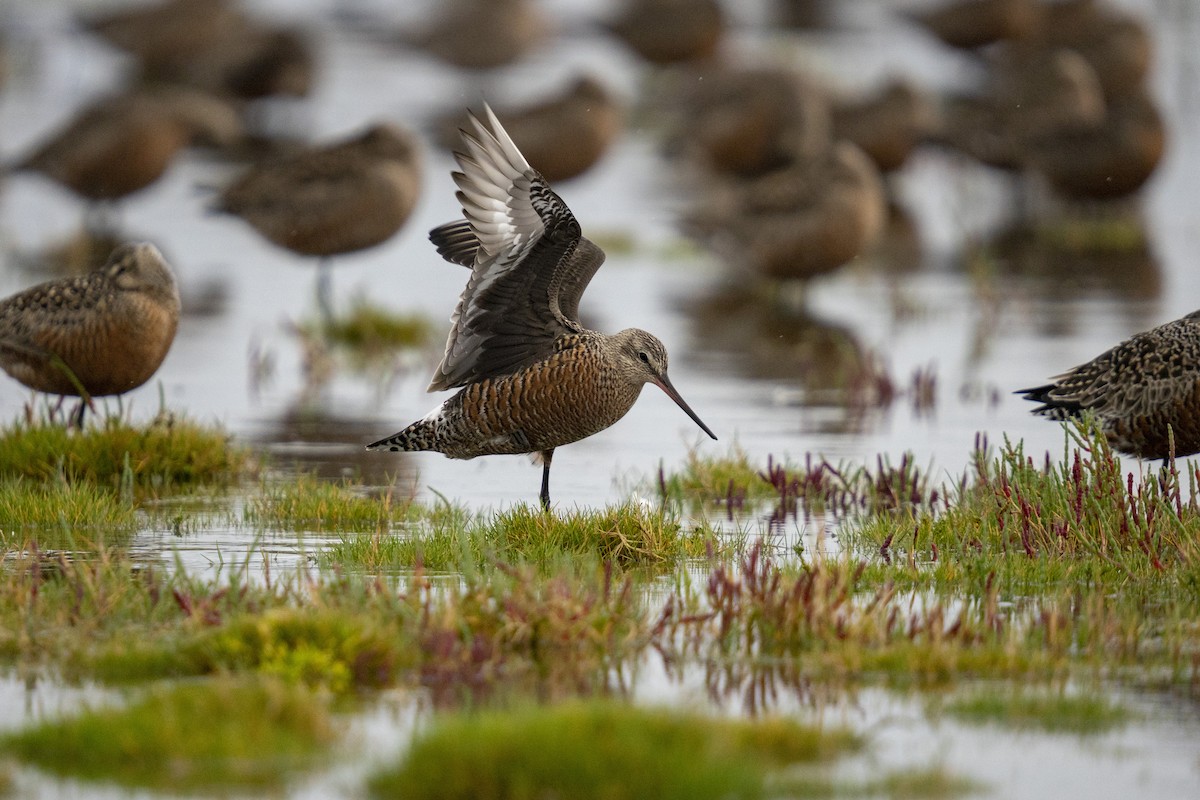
{"x": 760, "y": 378}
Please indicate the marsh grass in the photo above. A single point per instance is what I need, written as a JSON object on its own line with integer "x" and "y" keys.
{"x": 168, "y": 453}
{"x": 601, "y": 750}
{"x": 1081, "y": 714}
{"x": 62, "y": 516}
{"x": 190, "y": 737}
{"x": 730, "y": 480}
{"x": 1021, "y": 568}
{"x": 815, "y": 486}
{"x": 629, "y": 535}
{"x": 308, "y": 503}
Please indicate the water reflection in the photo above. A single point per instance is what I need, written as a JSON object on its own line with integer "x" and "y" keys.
{"x": 1066, "y": 255}
{"x": 314, "y": 441}
{"x": 764, "y": 333}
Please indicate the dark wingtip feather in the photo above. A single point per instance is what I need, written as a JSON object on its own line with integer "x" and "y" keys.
{"x": 455, "y": 242}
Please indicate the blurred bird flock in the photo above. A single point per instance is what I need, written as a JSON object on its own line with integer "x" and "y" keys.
{"x": 859, "y": 227}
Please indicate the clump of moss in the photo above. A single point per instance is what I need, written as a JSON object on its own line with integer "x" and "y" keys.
{"x": 1055, "y": 713}
{"x": 191, "y": 737}
{"x": 628, "y": 535}
{"x": 599, "y": 750}
{"x": 338, "y": 650}
{"x": 307, "y": 503}
{"x": 169, "y": 452}
{"x": 62, "y": 515}
{"x": 372, "y": 330}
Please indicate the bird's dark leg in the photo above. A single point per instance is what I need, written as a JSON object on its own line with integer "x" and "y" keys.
{"x": 80, "y": 411}
{"x": 325, "y": 291}
{"x": 547, "y": 455}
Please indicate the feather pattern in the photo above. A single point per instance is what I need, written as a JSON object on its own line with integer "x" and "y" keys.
{"x": 529, "y": 262}
{"x": 1138, "y": 390}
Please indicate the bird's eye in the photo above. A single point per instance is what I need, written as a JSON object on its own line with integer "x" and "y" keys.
{"x": 644, "y": 357}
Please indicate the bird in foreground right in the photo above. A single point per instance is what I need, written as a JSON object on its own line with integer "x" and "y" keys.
{"x": 1145, "y": 392}
{"x": 531, "y": 378}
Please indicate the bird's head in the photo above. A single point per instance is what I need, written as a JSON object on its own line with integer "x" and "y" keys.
{"x": 643, "y": 359}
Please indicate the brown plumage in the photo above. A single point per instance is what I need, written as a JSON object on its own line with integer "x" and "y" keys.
{"x": 749, "y": 121}
{"x": 1036, "y": 95}
{"x": 1109, "y": 160}
{"x": 122, "y": 144}
{"x": 671, "y": 31}
{"x": 799, "y": 222}
{"x": 325, "y": 201}
{"x": 110, "y": 328}
{"x": 969, "y": 24}
{"x": 484, "y": 34}
{"x": 1115, "y": 42}
{"x": 334, "y": 199}
{"x": 531, "y": 377}
{"x": 889, "y": 125}
{"x": 165, "y": 34}
{"x": 562, "y": 136}
{"x": 1142, "y": 391}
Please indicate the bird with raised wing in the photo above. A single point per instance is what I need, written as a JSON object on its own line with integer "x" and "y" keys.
{"x": 1145, "y": 392}
{"x": 531, "y": 378}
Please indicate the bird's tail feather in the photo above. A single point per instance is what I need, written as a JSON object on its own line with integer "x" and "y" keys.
{"x": 418, "y": 436}
{"x": 1052, "y": 407}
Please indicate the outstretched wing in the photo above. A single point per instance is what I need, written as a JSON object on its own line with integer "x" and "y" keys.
{"x": 529, "y": 262}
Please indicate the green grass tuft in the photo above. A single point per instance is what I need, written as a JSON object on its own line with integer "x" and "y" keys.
{"x": 190, "y": 737}
{"x": 628, "y": 535}
{"x": 308, "y": 503}
{"x": 709, "y": 481}
{"x": 372, "y": 331}
{"x": 597, "y": 750}
{"x": 1054, "y": 713}
{"x": 62, "y": 516}
{"x": 337, "y": 650}
{"x": 166, "y": 453}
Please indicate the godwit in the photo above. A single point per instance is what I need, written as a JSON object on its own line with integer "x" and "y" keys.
{"x": 97, "y": 334}
{"x": 340, "y": 198}
{"x": 969, "y": 24}
{"x": 888, "y": 125}
{"x": 562, "y": 136}
{"x": 532, "y": 378}
{"x": 798, "y": 222}
{"x": 1144, "y": 391}
{"x": 484, "y": 34}
{"x": 124, "y": 143}
{"x": 671, "y": 31}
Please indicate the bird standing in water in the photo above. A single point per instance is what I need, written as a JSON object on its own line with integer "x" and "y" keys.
{"x": 1145, "y": 392}
{"x": 531, "y": 377}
